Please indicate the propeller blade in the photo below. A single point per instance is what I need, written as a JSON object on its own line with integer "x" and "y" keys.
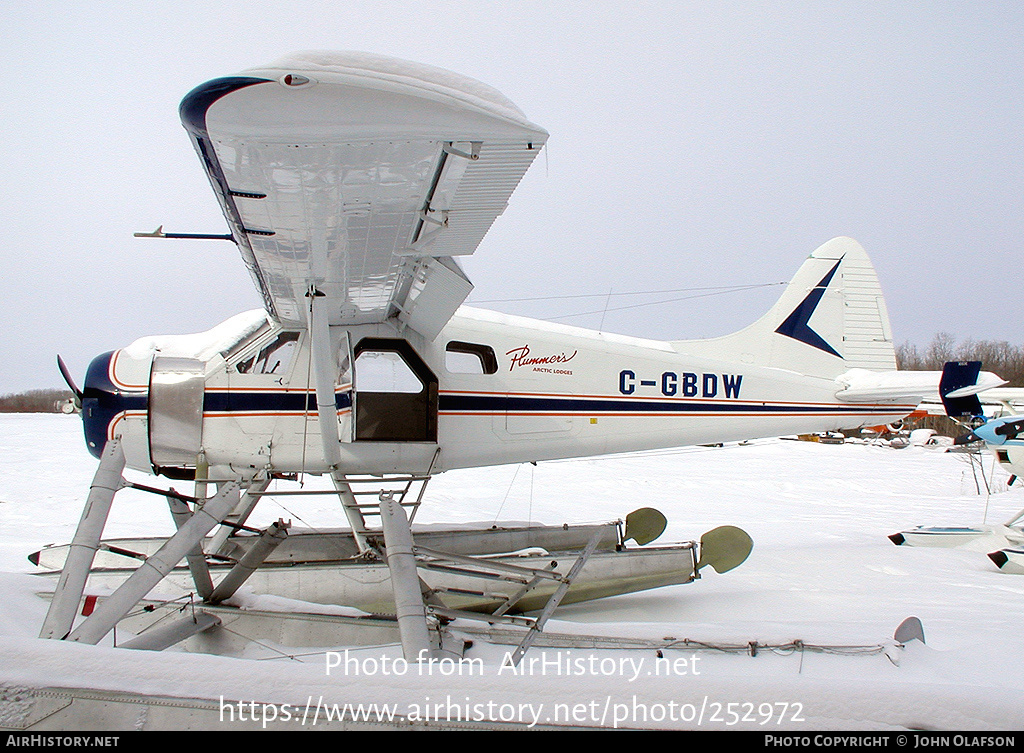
{"x": 67, "y": 378}
{"x": 1011, "y": 429}
{"x": 967, "y": 438}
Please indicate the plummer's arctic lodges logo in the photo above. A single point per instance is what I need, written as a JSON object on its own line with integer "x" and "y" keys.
{"x": 548, "y": 364}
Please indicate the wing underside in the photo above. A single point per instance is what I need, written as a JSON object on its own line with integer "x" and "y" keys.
{"x": 363, "y": 178}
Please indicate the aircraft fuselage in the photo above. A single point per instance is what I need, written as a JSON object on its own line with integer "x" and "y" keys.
{"x": 490, "y": 389}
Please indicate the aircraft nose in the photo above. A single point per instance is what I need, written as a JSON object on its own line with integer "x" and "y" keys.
{"x": 990, "y": 433}
{"x": 104, "y": 403}
{"x": 99, "y": 403}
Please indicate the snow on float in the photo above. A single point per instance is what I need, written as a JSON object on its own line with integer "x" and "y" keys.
{"x": 492, "y": 569}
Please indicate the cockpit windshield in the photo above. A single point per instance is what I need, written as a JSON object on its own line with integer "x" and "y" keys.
{"x": 273, "y": 358}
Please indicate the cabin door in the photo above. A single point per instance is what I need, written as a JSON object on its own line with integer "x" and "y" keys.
{"x": 396, "y": 393}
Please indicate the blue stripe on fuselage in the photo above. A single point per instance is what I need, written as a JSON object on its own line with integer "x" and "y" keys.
{"x": 242, "y": 401}
{"x": 523, "y": 404}
{"x": 269, "y": 402}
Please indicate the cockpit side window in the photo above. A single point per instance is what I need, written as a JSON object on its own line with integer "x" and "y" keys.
{"x": 470, "y": 358}
{"x": 274, "y": 358}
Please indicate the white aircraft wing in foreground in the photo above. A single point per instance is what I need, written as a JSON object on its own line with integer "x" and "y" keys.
{"x": 362, "y": 178}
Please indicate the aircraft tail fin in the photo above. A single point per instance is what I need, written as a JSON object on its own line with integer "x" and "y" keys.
{"x": 957, "y": 399}
{"x": 831, "y": 318}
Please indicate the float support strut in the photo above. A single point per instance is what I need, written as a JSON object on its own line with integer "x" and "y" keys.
{"x": 107, "y": 481}
{"x": 196, "y": 558}
{"x": 250, "y": 561}
{"x": 405, "y": 580}
{"x": 157, "y": 639}
{"x": 252, "y": 495}
{"x": 556, "y": 598}
{"x": 153, "y": 570}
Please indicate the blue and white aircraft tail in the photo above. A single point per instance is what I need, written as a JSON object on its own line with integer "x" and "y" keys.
{"x": 830, "y": 319}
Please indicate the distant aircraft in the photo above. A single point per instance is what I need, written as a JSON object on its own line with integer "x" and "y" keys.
{"x": 996, "y": 402}
{"x": 1005, "y": 437}
{"x": 351, "y": 184}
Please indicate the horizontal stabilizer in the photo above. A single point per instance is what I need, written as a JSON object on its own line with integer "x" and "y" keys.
{"x": 861, "y": 386}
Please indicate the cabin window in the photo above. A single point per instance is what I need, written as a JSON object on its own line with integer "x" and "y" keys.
{"x": 274, "y": 358}
{"x": 1003, "y": 456}
{"x": 470, "y": 358}
{"x": 385, "y": 371}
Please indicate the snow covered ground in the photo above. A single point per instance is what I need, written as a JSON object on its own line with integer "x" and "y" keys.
{"x": 822, "y": 572}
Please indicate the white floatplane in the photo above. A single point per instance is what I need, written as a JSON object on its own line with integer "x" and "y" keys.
{"x": 1004, "y": 436}
{"x": 351, "y": 184}
{"x": 1001, "y": 436}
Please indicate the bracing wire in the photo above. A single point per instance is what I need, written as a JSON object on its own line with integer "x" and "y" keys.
{"x": 711, "y": 290}
{"x": 667, "y": 300}
{"x": 507, "y": 492}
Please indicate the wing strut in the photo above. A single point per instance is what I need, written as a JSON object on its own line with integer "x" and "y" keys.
{"x": 325, "y": 371}
{"x": 326, "y": 406}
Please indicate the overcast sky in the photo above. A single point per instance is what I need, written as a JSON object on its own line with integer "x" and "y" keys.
{"x": 693, "y": 145}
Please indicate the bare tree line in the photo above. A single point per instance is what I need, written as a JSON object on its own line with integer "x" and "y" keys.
{"x": 999, "y": 357}
{"x": 34, "y": 401}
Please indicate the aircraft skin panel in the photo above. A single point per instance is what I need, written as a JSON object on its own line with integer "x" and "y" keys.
{"x": 597, "y": 397}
